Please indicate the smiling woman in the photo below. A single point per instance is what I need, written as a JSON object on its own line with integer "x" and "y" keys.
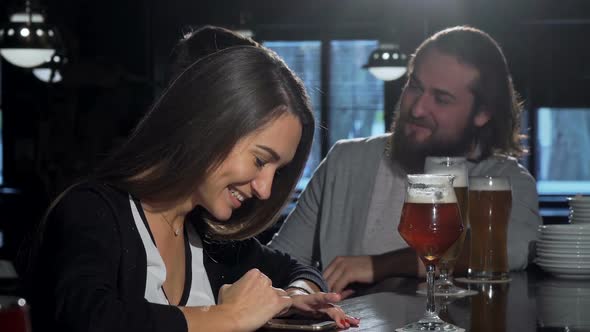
{"x": 160, "y": 236}
{"x": 249, "y": 169}
{"x": 238, "y": 90}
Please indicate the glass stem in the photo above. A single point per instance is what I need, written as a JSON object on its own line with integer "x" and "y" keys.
{"x": 444, "y": 273}
{"x": 430, "y": 304}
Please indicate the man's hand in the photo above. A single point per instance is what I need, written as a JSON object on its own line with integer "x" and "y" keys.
{"x": 345, "y": 270}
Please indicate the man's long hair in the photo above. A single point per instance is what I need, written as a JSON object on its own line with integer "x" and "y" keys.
{"x": 493, "y": 89}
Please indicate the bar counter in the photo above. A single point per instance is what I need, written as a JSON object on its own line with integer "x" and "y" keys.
{"x": 532, "y": 301}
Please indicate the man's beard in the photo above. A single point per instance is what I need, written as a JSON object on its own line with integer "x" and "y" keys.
{"x": 411, "y": 156}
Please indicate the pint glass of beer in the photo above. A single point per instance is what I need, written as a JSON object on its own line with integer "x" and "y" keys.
{"x": 456, "y": 166}
{"x": 490, "y": 203}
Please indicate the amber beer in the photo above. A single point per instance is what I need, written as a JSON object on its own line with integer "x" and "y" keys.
{"x": 433, "y": 238}
{"x": 430, "y": 223}
{"x": 490, "y": 203}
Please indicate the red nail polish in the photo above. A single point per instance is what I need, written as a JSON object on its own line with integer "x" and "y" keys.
{"x": 343, "y": 322}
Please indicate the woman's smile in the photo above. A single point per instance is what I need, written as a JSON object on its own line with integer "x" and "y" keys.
{"x": 236, "y": 197}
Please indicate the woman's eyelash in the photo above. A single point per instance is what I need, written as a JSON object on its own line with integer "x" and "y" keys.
{"x": 259, "y": 162}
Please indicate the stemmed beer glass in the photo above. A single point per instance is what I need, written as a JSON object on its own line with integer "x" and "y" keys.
{"x": 430, "y": 223}
{"x": 456, "y": 166}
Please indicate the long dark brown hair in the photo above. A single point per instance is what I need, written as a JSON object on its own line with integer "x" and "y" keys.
{"x": 493, "y": 89}
{"x": 198, "y": 43}
{"x": 192, "y": 128}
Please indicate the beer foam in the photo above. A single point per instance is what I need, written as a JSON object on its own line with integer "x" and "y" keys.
{"x": 430, "y": 196}
{"x": 456, "y": 166}
{"x": 460, "y": 179}
{"x": 489, "y": 183}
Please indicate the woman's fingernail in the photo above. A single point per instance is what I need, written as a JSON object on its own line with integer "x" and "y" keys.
{"x": 343, "y": 322}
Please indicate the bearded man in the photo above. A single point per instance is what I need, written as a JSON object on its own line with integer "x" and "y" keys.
{"x": 459, "y": 100}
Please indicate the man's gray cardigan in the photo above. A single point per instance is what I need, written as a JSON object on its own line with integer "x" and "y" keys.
{"x": 330, "y": 216}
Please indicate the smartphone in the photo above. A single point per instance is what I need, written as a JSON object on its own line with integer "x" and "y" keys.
{"x": 300, "y": 324}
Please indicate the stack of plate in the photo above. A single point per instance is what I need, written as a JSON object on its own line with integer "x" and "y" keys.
{"x": 579, "y": 209}
{"x": 564, "y": 250}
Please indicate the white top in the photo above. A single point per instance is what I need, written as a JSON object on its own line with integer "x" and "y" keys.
{"x": 200, "y": 293}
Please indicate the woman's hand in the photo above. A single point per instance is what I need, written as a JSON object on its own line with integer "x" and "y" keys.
{"x": 252, "y": 301}
{"x": 319, "y": 305}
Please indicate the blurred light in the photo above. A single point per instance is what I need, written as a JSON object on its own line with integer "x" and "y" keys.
{"x": 388, "y": 73}
{"x": 50, "y": 72}
{"x": 26, "y": 57}
{"x": 23, "y": 17}
{"x": 387, "y": 63}
{"x": 45, "y": 75}
{"x": 25, "y": 32}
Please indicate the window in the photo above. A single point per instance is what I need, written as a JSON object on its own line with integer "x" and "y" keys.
{"x": 304, "y": 58}
{"x": 562, "y": 149}
{"x": 355, "y": 98}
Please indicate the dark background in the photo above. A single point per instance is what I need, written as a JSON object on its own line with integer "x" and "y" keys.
{"x": 118, "y": 51}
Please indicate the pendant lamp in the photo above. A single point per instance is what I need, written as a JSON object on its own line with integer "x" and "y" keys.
{"x": 387, "y": 62}
{"x": 27, "y": 41}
